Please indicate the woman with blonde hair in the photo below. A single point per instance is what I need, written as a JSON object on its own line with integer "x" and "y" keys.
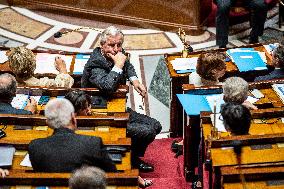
{"x": 22, "y": 62}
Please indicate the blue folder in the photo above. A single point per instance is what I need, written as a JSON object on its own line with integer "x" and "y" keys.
{"x": 185, "y": 71}
{"x": 247, "y": 61}
{"x": 193, "y": 104}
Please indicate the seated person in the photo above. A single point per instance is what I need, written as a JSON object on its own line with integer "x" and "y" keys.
{"x": 108, "y": 68}
{"x": 258, "y": 10}
{"x": 82, "y": 104}
{"x": 235, "y": 90}
{"x": 4, "y": 172}
{"x": 8, "y": 87}
{"x": 236, "y": 118}
{"x": 209, "y": 69}
{"x": 64, "y": 150}
{"x": 88, "y": 177}
{"x": 278, "y": 63}
{"x": 22, "y": 62}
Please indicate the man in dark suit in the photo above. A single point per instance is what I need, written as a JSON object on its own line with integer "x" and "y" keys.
{"x": 8, "y": 87}
{"x": 258, "y": 12}
{"x": 65, "y": 151}
{"x": 107, "y": 68}
{"x": 278, "y": 63}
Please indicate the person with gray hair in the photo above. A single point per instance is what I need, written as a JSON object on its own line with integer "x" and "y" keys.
{"x": 64, "y": 150}
{"x": 107, "y": 68}
{"x": 277, "y": 63}
{"x": 88, "y": 177}
{"x": 235, "y": 90}
{"x": 8, "y": 87}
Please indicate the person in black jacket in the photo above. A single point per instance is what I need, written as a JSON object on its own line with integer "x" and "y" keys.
{"x": 64, "y": 151}
{"x": 278, "y": 63}
{"x": 8, "y": 87}
{"x": 107, "y": 68}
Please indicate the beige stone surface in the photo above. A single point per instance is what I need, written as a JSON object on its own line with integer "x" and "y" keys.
{"x": 14, "y": 22}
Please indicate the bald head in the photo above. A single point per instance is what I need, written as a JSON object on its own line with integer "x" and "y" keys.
{"x": 8, "y": 87}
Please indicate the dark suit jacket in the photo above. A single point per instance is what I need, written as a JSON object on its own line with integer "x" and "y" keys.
{"x": 275, "y": 74}
{"x": 97, "y": 73}
{"x": 6, "y": 108}
{"x": 65, "y": 151}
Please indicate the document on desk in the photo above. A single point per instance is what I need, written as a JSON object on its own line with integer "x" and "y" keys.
{"x": 26, "y": 161}
{"x": 3, "y": 57}
{"x": 6, "y": 156}
{"x": 45, "y": 62}
{"x": 247, "y": 59}
{"x": 219, "y": 123}
{"x": 216, "y": 99}
{"x": 80, "y": 61}
{"x": 279, "y": 89}
{"x": 184, "y": 63}
{"x": 193, "y": 104}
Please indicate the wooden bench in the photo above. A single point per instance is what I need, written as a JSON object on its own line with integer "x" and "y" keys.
{"x": 191, "y": 124}
{"x": 256, "y": 162}
{"x": 121, "y": 180}
{"x": 111, "y": 128}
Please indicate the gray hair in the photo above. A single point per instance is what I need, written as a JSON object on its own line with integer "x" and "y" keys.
{"x": 88, "y": 177}
{"x": 235, "y": 90}
{"x": 8, "y": 86}
{"x": 59, "y": 113}
{"x": 110, "y": 31}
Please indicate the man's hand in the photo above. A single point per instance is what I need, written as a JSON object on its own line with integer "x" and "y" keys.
{"x": 60, "y": 65}
{"x": 31, "y": 106}
{"x": 249, "y": 105}
{"x": 118, "y": 59}
{"x": 139, "y": 88}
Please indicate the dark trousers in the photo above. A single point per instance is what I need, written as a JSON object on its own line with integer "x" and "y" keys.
{"x": 142, "y": 129}
{"x": 258, "y": 13}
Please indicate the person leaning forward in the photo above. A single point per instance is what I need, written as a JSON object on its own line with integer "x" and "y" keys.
{"x": 107, "y": 68}
{"x": 64, "y": 150}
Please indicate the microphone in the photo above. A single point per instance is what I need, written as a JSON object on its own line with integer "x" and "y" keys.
{"x": 57, "y": 35}
{"x": 60, "y": 34}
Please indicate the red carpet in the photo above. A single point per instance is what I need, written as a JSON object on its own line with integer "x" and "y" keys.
{"x": 168, "y": 173}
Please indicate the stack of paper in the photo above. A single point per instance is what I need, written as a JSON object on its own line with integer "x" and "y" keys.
{"x": 247, "y": 59}
{"x": 45, "y": 62}
{"x": 3, "y": 56}
{"x": 20, "y": 101}
{"x": 80, "y": 61}
{"x": 184, "y": 65}
{"x": 6, "y": 156}
{"x": 279, "y": 89}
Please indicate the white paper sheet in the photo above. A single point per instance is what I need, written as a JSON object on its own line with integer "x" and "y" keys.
{"x": 184, "y": 63}
{"x": 26, "y": 161}
{"x": 45, "y": 62}
{"x": 219, "y": 123}
{"x": 3, "y": 57}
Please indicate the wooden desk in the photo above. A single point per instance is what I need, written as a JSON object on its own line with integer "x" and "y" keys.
{"x": 177, "y": 80}
{"x": 191, "y": 123}
{"x": 122, "y": 180}
{"x": 115, "y": 103}
{"x": 167, "y": 15}
{"x": 256, "y": 162}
